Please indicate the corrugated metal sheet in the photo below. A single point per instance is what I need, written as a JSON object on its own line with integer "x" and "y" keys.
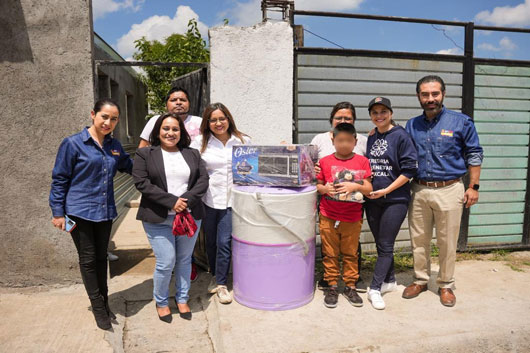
{"x": 324, "y": 80}
{"x": 502, "y": 118}
{"x": 124, "y": 189}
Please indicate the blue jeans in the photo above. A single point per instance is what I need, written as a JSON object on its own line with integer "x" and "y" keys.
{"x": 171, "y": 252}
{"x": 218, "y": 231}
{"x": 384, "y": 220}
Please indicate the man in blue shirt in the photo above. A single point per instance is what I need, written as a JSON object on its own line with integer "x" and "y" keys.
{"x": 448, "y": 147}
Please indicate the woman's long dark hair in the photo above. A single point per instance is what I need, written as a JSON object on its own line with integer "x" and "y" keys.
{"x": 154, "y": 138}
{"x": 205, "y": 125}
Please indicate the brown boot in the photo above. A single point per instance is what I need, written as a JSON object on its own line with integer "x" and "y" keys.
{"x": 413, "y": 290}
{"x": 447, "y": 297}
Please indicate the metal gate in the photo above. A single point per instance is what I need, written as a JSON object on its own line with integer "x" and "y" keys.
{"x": 494, "y": 92}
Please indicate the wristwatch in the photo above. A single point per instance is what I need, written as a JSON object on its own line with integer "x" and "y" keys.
{"x": 475, "y": 186}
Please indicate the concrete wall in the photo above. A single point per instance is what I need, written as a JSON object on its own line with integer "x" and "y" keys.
{"x": 46, "y": 94}
{"x": 252, "y": 74}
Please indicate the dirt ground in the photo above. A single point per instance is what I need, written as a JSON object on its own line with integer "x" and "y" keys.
{"x": 491, "y": 315}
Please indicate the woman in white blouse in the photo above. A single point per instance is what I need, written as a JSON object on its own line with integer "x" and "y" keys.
{"x": 218, "y": 135}
{"x": 343, "y": 112}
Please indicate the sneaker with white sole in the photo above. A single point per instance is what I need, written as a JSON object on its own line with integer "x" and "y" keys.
{"x": 212, "y": 286}
{"x": 388, "y": 287}
{"x": 374, "y": 297}
{"x": 223, "y": 295}
{"x": 112, "y": 257}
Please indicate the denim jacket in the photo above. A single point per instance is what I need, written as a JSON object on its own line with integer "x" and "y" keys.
{"x": 447, "y": 145}
{"x": 82, "y": 178}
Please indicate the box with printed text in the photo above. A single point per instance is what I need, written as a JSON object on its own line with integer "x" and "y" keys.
{"x": 283, "y": 165}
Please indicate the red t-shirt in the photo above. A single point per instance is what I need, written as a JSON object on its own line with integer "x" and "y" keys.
{"x": 340, "y": 210}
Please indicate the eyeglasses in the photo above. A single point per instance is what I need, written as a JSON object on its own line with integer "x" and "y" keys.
{"x": 214, "y": 121}
{"x": 343, "y": 118}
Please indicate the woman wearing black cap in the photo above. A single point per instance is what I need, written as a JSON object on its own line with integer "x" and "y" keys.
{"x": 393, "y": 159}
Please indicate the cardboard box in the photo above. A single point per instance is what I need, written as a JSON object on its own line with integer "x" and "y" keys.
{"x": 283, "y": 165}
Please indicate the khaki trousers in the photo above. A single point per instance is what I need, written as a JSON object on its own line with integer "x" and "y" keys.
{"x": 336, "y": 241}
{"x": 442, "y": 208}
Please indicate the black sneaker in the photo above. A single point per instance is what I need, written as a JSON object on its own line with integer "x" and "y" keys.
{"x": 351, "y": 295}
{"x": 322, "y": 284}
{"x": 332, "y": 297}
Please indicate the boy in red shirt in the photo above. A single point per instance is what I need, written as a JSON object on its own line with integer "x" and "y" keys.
{"x": 341, "y": 221}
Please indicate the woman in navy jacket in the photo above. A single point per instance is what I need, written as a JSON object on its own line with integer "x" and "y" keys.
{"x": 393, "y": 159}
{"x": 82, "y": 188}
{"x": 172, "y": 178}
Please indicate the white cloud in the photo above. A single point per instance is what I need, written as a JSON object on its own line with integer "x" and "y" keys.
{"x": 505, "y": 44}
{"x": 488, "y": 47}
{"x": 102, "y": 7}
{"x": 159, "y": 28}
{"x": 249, "y": 13}
{"x": 507, "y": 15}
{"x": 450, "y": 51}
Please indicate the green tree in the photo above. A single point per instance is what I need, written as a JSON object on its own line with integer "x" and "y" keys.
{"x": 189, "y": 47}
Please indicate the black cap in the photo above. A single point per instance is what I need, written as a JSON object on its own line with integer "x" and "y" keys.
{"x": 380, "y": 100}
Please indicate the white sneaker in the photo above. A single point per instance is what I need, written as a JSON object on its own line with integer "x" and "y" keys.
{"x": 374, "y": 296}
{"x": 112, "y": 257}
{"x": 212, "y": 286}
{"x": 223, "y": 295}
{"x": 389, "y": 287}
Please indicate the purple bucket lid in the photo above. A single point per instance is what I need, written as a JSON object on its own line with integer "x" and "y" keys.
{"x": 274, "y": 189}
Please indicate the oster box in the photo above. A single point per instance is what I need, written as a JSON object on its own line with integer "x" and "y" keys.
{"x": 283, "y": 165}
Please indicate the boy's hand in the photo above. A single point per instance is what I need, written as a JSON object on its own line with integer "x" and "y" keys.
{"x": 327, "y": 189}
{"x": 347, "y": 187}
{"x": 317, "y": 168}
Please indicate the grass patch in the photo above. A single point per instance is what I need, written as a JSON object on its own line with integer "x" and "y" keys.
{"x": 471, "y": 255}
{"x": 514, "y": 267}
{"x": 403, "y": 261}
{"x": 435, "y": 251}
{"x": 499, "y": 255}
{"x": 368, "y": 262}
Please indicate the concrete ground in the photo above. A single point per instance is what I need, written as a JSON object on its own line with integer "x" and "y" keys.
{"x": 492, "y": 314}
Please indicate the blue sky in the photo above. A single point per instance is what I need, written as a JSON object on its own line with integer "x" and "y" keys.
{"x": 120, "y": 22}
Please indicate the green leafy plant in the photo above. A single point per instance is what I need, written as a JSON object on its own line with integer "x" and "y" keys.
{"x": 189, "y": 47}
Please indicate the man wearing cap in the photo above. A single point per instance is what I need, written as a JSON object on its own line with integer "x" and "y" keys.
{"x": 448, "y": 147}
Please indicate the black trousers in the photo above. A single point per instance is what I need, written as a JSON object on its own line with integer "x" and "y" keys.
{"x": 91, "y": 240}
{"x": 384, "y": 220}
